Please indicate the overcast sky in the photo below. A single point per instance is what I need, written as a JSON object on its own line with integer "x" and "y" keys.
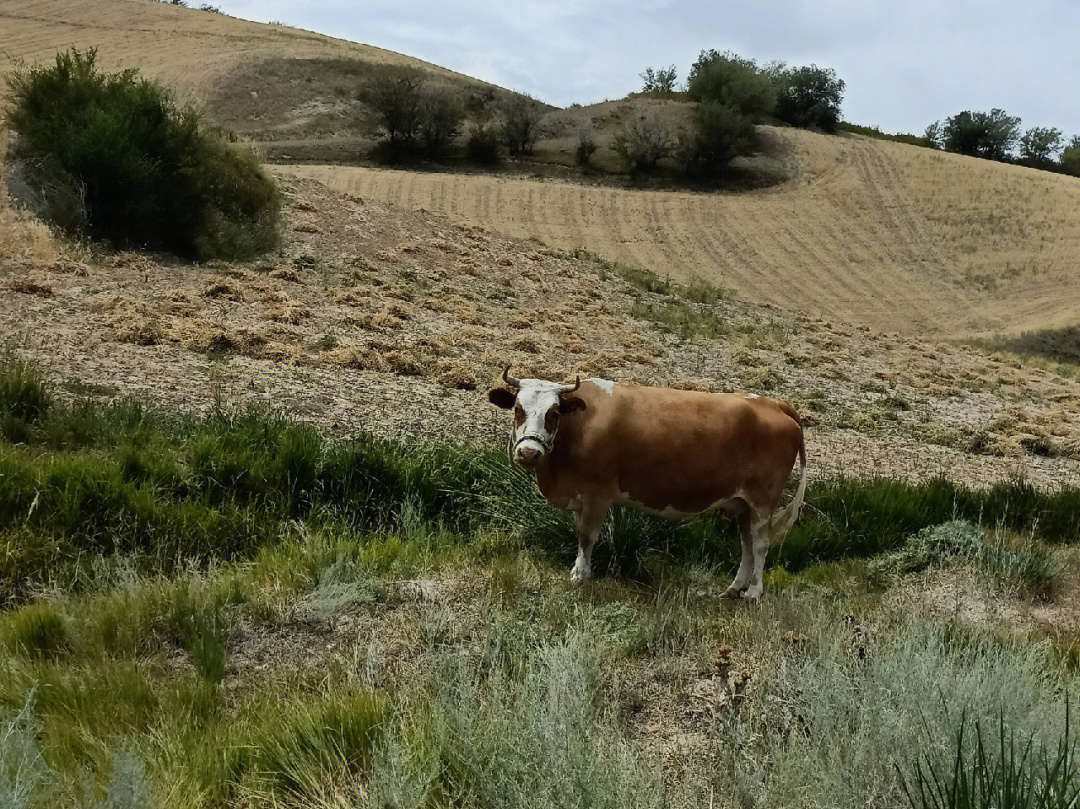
{"x": 905, "y": 64}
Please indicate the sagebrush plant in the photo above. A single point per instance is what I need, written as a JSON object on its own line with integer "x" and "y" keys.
{"x": 537, "y": 736}
{"x": 111, "y": 156}
{"x": 842, "y": 722}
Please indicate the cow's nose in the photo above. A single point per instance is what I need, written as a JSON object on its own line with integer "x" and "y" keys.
{"x": 527, "y": 456}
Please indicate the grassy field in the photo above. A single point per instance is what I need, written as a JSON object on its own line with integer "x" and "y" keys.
{"x": 236, "y": 610}
{"x": 893, "y": 236}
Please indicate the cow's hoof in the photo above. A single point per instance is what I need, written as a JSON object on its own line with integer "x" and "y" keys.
{"x": 752, "y": 592}
{"x": 578, "y": 575}
{"x": 733, "y": 592}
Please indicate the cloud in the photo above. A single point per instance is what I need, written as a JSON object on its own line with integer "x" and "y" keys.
{"x": 905, "y": 65}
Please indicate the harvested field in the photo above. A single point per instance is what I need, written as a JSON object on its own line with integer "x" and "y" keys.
{"x": 893, "y": 236}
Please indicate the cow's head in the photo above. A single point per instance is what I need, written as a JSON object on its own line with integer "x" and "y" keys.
{"x": 538, "y": 406}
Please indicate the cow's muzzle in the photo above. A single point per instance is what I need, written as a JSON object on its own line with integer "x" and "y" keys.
{"x": 529, "y": 449}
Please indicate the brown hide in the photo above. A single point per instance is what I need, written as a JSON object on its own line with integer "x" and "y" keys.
{"x": 660, "y": 448}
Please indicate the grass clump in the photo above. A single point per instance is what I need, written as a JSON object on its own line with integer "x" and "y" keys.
{"x": 1005, "y": 775}
{"x": 111, "y": 157}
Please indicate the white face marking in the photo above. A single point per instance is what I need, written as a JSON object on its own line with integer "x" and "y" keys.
{"x": 536, "y": 397}
{"x": 606, "y": 385}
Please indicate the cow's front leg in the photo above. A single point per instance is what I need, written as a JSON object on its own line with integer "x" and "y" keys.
{"x": 588, "y": 520}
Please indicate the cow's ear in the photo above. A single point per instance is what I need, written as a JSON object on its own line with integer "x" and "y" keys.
{"x": 502, "y": 397}
{"x": 568, "y": 404}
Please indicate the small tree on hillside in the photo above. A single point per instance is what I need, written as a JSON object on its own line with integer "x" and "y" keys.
{"x": 642, "y": 143}
{"x": 809, "y": 97}
{"x": 521, "y": 124}
{"x": 586, "y": 145}
{"x": 1069, "y": 162}
{"x": 661, "y": 80}
{"x": 397, "y": 101}
{"x": 442, "y": 116}
{"x": 720, "y": 134}
{"x": 1039, "y": 145}
{"x": 729, "y": 79}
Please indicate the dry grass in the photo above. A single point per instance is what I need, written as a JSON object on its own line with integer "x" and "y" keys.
{"x": 864, "y": 231}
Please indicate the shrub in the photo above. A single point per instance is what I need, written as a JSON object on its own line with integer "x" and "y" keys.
{"x": 586, "y": 146}
{"x": 482, "y": 145}
{"x": 521, "y": 124}
{"x": 111, "y": 156}
{"x": 641, "y": 143}
{"x": 732, "y": 80}
{"x": 809, "y": 97}
{"x": 441, "y": 119}
{"x": 720, "y": 134}
{"x": 661, "y": 80}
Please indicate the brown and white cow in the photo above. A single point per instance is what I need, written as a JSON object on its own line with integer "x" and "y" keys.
{"x": 670, "y": 452}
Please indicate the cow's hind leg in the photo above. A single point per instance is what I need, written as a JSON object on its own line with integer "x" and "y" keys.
{"x": 588, "y": 520}
{"x": 746, "y": 565}
{"x": 760, "y": 537}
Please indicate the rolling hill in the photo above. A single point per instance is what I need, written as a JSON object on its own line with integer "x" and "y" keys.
{"x": 263, "y": 81}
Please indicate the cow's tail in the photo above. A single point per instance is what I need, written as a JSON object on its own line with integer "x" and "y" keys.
{"x": 787, "y": 516}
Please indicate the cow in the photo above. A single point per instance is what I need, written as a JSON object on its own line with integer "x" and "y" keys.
{"x": 675, "y": 453}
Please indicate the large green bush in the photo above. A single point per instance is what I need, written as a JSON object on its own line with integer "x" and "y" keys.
{"x": 111, "y": 156}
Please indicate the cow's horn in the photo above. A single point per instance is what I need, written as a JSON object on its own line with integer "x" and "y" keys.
{"x": 571, "y": 388}
{"x": 512, "y": 381}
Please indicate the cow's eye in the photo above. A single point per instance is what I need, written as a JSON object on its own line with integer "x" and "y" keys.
{"x": 519, "y": 414}
{"x": 551, "y": 421}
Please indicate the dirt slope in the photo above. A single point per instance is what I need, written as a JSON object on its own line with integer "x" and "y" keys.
{"x": 893, "y": 236}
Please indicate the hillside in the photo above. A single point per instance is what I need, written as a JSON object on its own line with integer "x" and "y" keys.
{"x": 264, "y": 81}
{"x": 865, "y": 231}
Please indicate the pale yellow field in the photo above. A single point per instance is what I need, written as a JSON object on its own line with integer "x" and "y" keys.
{"x": 893, "y": 236}
{"x": 188, "y": 49}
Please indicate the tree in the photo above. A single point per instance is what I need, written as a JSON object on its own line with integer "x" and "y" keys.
{"x": 660, "y": 80}
{"x": 990, "y": 135}
{"x": 396, "y": 98}
{"x": 521, "y": 124}
{"x": 586, "y": 145}
{"x": 1070, "y": 157}
{"x": 934, "y": 135}
{"x": 441, "y": 120}
{"x": 641, "y": 143}
{"x": 1039, "y": 144}
{"x": 729, "y": 79}
{"x": 809, "y": 97}
{"x": 720, "y": 134}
